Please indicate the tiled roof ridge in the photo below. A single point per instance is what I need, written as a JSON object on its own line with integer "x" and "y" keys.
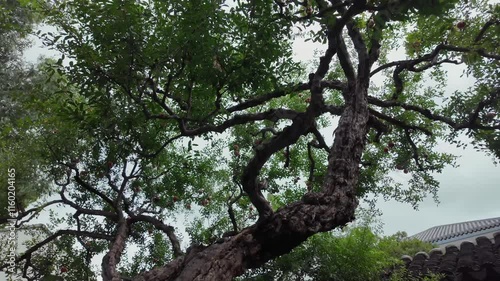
{"x": 470, "y": 262}
{"x": 495, "y": 218}
{"x": 447, "y": 231}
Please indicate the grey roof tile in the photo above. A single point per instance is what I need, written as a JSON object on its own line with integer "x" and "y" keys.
{"x": 480, "y": 262}
{"x": 447, "y": 231}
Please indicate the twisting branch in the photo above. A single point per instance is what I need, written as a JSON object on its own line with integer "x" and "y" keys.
{"x": 493, "y": 97}
{"x": 435, "y": 62}
{"x": 232, "y": 218}
{"x": 398, "y": 82}
{"x": 112, "y": 257}
{"x": 312, "y": 165}
{"x": 483, "y": 30}
{"x": 410, "y": 64}
{"x": 424, "y": 111}
{"x": 92, "y": 190}
{"x": 414, "y": 148}
{"x": 265, "y": 130}
{"x": 230, "y": 202}
{"x": 356, "y": 38}
{"x": 399, "y": 123}
{"x": 287, "y": 157}
{"x": 29, "y": 252}
{"x": 271, "y": 115}
{"x": 111, "y": 215}
{"x": 320, "y": 140}
{"x": 217, "y": 103}
{"x": 333, "y": 84}
{"x": 264, "y": 98}
{"x": 30, "y": 212}
{"x": 334, "y": 110}
{"x": 300, "y": 126}
{"x": 344, "y": 59}
{"x": 470, "y": 123}
{"x": 483, "y": 53}
{"x": 379, "y": 126}
{"x": 167, "y": 229}
{"x": 358, "y": 42}
{"x": 157, "y": 152}
{"x": 161, "y": 102}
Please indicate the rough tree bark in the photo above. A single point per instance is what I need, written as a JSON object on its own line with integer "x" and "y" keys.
{"x": 289, "y": 226}
{"x": 278, "y": 233}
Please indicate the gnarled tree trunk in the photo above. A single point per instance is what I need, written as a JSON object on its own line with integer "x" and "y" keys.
{"x": 288, "y": 227}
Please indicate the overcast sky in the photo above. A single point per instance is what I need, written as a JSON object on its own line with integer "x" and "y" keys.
{"x": 469, "y": 192}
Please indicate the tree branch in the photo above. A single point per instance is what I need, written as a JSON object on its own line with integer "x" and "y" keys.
{"x": 312, "y": 164}
{"x": 483, "y": 30}
{"x": 272, "y": 115}
{"x": 398, "y": 123}
{"x": 33, "y": 211}
{"x": 264, "y": 98}
{"x": 469, "y": 123}
{"x": 112, "y": 257}
{"x": 167, "y": 229}
{"x": 36, "y": 247}
{"x": 301, "y": 124}
{"x": 410, "y": 64}
{"x": 88, "y": 187}
{"x": 345, "y": 60}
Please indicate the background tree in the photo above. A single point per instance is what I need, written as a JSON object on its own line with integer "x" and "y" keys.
{"x": 17, "y": 80}
{"x": 158, "y": 109}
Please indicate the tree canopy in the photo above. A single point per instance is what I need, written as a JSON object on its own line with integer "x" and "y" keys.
{"x": 17, "y": 78}
{"x": 196, "y": 113}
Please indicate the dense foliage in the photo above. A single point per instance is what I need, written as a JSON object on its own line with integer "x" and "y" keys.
{"x": 17, "y": 81}
{"x": 356, "y": 253}
{"x": 167, "y": 113}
